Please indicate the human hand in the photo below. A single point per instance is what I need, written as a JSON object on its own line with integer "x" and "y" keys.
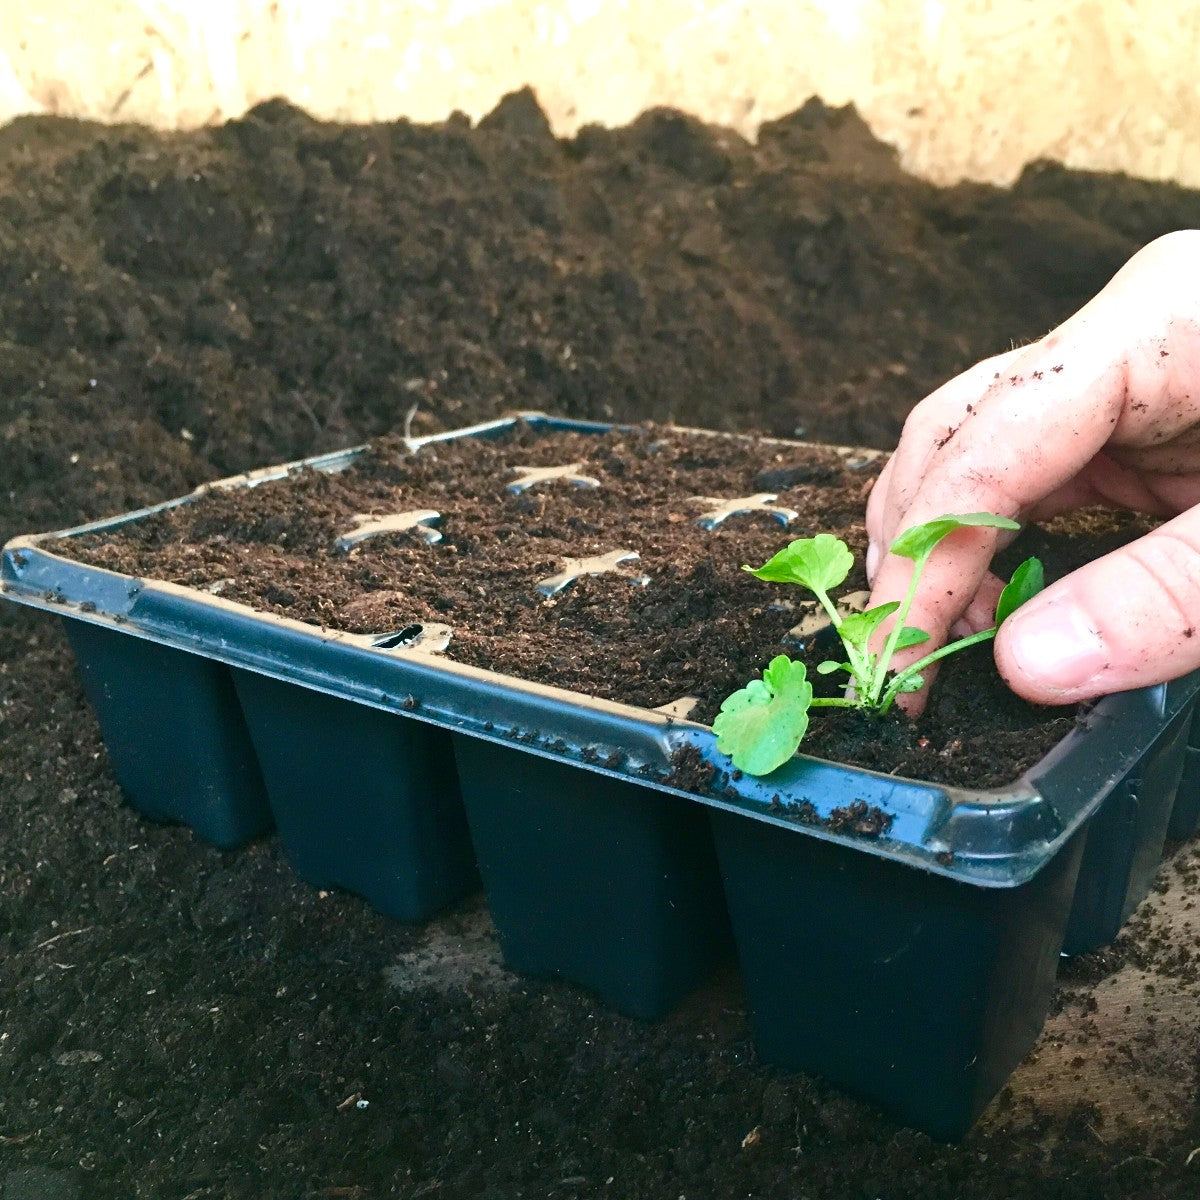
{"x": 1103, "y": 410}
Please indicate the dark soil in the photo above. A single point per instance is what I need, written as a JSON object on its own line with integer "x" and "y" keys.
{"x": 176, "y": 1022}
{"x": 683, "y": 620}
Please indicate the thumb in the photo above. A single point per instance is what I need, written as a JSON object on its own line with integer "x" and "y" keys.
{"x": 1126, "y": 620}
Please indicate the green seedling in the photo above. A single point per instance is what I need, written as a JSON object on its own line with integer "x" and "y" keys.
{"x": 761, "y": 725}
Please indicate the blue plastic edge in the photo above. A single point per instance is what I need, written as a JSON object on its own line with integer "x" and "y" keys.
{"x": 989, "y": 838}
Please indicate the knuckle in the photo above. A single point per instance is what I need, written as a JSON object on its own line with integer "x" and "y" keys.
{"x": 965, "y": 483}
{"x": 919, "y": 422}
{"x": 1169, "y": 562}
{"x": 1179, "y": 244}
{"x": 1164, "y": 273}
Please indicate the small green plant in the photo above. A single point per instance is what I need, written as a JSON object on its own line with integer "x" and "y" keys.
{"x": 761, "y": 725}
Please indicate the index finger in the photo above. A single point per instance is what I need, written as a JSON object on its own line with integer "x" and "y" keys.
{"x": 1042, "y": 417}
{"x": 1031, "y": 432}
{"x": 935, "y": 419}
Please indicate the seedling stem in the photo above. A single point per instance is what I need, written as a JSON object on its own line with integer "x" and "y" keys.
{"x": 761, "y": 725}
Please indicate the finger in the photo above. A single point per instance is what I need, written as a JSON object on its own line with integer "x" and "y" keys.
{"x": 952, "y": 569}
{"x": 1142, "y": 330}
{"x": 994, "y": 468}
{"x": 928, "y": 426}
{"x": 1035, "y": 429}
{"x": 1072, "y": 642}
{"x": 876, "y": 507}
{"x": 1104, "y": 481}
{"x": 980, "y": 614}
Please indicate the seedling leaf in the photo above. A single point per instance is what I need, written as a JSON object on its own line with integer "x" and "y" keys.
{"x": 829, "y": 666}
{"x": 858, "y": 627}
{"x": 761, "y": 725}
{"x": 910, "y": 636}
{"x": 1027, "y": 580}
{"x": 817, "y": 563}
{"x": 918, "y": 542}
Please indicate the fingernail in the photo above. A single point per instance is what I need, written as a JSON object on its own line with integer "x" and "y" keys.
{"x": 1055, "y": 645}
{"x": 872, "y": 561}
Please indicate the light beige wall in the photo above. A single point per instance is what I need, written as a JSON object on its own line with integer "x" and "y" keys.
{"x": 965, "y": 88}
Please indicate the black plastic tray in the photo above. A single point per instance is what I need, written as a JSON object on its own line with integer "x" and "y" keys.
{"x": 914, "y": 968}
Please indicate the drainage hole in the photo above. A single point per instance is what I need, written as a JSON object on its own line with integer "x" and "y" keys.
{"x": 404, "y": 637}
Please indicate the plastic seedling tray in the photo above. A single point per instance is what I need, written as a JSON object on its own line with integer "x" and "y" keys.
{"x": 1185, "y": 813}
{"x": 915, "y": 967}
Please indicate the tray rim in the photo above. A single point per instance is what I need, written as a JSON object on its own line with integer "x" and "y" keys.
{"x": 945, "y": 830}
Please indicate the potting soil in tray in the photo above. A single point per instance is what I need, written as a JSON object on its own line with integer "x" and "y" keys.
{"x": 681, "y": 619}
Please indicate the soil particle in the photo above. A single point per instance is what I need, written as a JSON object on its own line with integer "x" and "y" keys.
{"x": 860, "y": 817}
{"x": 691, "y": 772}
